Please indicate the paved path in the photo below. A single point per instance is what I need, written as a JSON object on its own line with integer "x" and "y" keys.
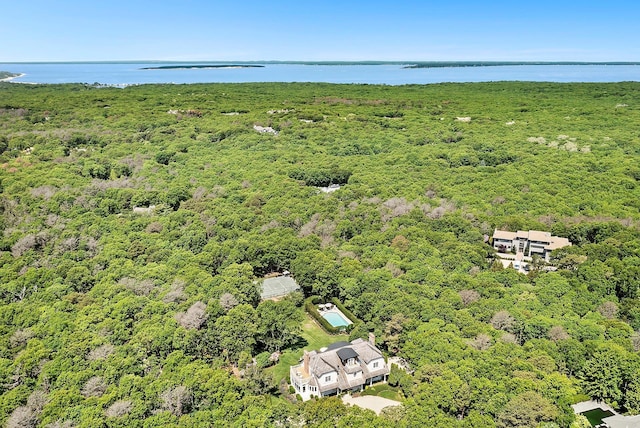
{"x": 585, "y": 406}
{"x": 370, "y": 402}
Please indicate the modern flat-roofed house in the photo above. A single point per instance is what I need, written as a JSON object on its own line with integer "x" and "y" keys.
{"x": 341, "y": 367}
{"x": 503, "y": 240}
{"x": 529, "y": 243}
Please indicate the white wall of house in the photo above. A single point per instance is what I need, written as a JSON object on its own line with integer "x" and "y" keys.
{"x": 507, "y": 244}
{"x": 376, "y": 364}
{"x": 357, "y": 377}
{"x": 328, "y": 379}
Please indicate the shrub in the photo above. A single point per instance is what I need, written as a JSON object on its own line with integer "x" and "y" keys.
{"x": 345, "y": 311}
{"x": 310, "y": 307}
{"x": 164, "y": 158}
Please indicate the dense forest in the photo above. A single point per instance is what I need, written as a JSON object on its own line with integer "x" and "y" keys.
{"x": 136, "y": 224}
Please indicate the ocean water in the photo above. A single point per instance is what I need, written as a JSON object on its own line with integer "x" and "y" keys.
{"x": 129, "y": 73}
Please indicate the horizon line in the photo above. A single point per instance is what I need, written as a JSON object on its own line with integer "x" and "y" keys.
{"x": 373, "y": 62}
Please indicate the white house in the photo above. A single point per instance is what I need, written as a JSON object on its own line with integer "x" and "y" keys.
{"x": 614, "y": 420}
{"x": 341, "y": 367}
{"x": 528, "y": 243}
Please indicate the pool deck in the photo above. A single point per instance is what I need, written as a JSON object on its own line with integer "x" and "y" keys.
{"x": 585, "y": 406}
{"x": 334, "y": 310}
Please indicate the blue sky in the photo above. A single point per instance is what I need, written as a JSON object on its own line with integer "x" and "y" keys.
{"x": 191, "y": 30}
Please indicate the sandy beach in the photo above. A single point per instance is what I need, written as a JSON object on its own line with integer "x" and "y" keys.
{"x": 8, "y": 79}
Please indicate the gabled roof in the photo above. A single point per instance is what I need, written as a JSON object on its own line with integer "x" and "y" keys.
{"x": 319, "y": 365}
{"x": 366, "y": 351}
{"x": 333, "y": 358}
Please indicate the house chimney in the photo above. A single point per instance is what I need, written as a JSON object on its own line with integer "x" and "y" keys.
{"x": 372, "y": 339}
{"x": 305, "y": 362}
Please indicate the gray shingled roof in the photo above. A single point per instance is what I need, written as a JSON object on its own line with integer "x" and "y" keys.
{"x": 366, "y": 351}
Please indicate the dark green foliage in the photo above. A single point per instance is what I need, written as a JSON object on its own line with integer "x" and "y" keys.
{"x": 321, "y": 177}
{"x": 344, "y": 310}
{"x": 137, "y": 224}
{"x": 164, "y": 157}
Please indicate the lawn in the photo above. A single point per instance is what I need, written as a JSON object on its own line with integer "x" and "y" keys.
{"x": 383, "y": 390}
{"x": 315, "y": 337}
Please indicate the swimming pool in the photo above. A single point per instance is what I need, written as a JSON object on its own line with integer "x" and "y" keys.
{"x": 336, "y": 319}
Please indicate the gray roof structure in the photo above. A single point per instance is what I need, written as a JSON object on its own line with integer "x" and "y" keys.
{"x": 346, "y": 353}
{"x": 621, "y": 421}
{"x": 337, "y": 345}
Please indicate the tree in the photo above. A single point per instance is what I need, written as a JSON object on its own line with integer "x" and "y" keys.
{"x": 469, "y": 296}
{"x": 176, "y": 400}
{"x": 94, "y": 387}
{"x": 278, "y": 323}
{"x": 482, "y": 342}
{"x": 632, "y": 394}
{"x": 324, "y": 413}
{"x": 609, "y": 310}
{"x": 393, "y": 332}
{"x": 602, "y": 375}
{"x": 237, "y": 279}
{"x": 195, "y": 316}
{"x": 258, "y": 382}
{"x": 557, "y": 333}
{"x": 228, "y": 301}
{"x": 527, "y": 410}
{"x": 118, "y": 409}
{"x": 502, "y": 320}
{"x": 235, "y": 331}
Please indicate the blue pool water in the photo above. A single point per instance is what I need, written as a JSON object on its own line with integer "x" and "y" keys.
{"x": 335, "y": 319}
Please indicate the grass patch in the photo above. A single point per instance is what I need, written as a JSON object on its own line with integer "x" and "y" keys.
{"x": 383, "y": 390}
{"x": 595, "y": 416}
{"x": 315, "y": 338}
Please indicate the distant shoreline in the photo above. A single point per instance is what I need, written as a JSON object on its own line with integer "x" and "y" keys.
{"x": 439, "y": 64}
{"x": 13, "y": 76}
{"x": 202, "y": 66}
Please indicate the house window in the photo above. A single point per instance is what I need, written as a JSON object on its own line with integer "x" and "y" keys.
{"x": 375, "y": 365}
{"x": 327, "y": 379}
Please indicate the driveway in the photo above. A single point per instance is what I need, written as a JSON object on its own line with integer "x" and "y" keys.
{"x": 370, "y": 402}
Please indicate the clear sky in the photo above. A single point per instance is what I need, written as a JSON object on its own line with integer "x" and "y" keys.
{"x": 192, "y": 30}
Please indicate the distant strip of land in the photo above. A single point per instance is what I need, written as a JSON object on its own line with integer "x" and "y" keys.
{"x": 404, "y": 64}
{"x": 436, "y": 64}
{"x": 6, "y": 76}
{"x": 190, "y": 66}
